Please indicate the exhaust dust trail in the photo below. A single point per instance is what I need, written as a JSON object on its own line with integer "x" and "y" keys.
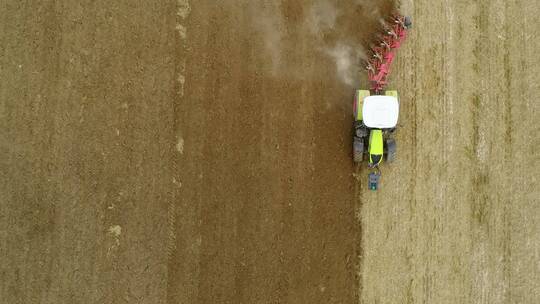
{"x": 345, "y": 54}
{"x": 268, "y": 21}
{"x": 331, "y": 32}
{"x": 347, "y": 60}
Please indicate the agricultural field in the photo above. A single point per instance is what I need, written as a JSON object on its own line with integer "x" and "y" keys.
{"x": 198, "y": 151}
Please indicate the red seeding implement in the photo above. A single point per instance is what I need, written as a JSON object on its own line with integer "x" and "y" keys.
{"x": 376, "y": 110}
{"x": 383, "y": 54}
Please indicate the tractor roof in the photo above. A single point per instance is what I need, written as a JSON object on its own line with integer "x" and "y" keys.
{"x": 380, "y": 112}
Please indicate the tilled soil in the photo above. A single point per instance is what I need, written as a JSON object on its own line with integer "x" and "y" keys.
{"x": 199, "y": 152}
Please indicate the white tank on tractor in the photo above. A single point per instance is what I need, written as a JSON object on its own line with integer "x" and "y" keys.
{"x": 380, "y": 112}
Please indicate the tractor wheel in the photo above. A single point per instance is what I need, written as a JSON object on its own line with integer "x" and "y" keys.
{"x": 360, "y": 130}
{"x": 358, "y": 149}
{"x": 408, "y": 22}
{"x": 391, "y": 150}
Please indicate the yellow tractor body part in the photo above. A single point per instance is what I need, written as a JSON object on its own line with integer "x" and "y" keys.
{"x": 358, "y": 103}
{"x": 391, "y": 93}
{"x": 376, "y": 146}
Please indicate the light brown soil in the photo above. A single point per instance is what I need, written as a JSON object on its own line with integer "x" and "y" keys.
{"x": 458, "y": 220}
{"x": 195, "y": 152}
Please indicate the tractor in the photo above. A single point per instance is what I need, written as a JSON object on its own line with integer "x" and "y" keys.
{"x": 376, "y": 111}
{"x": 375, "y": 120}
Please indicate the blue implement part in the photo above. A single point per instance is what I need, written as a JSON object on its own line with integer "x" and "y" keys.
{"x": 374, "y": 178}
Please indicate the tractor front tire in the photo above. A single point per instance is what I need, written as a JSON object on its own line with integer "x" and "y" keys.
{"x": 408, "y": 22}
{"x": 358, "y": 149}
{"x": 360, "y": 130}
{"x": 391, "y": 150}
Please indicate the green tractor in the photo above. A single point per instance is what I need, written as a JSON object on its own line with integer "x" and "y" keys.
{"x": 375, "y": 120}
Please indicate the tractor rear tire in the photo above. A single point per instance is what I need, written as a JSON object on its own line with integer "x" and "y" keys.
{"x": 391, "y": 150}
{"x": 358, "y": 149}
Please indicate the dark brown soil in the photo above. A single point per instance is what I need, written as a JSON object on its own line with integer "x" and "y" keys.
{"x": 164, "y": 154}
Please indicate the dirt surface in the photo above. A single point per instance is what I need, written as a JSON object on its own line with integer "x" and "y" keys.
{"x": 194, "y": 152}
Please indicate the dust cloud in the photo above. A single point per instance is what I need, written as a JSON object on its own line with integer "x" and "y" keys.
{"x": 323, "y": 22}
{"x": 347, "y": 60}
{"x": 346, "y": 54}
{"x": 268, "y": 21}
